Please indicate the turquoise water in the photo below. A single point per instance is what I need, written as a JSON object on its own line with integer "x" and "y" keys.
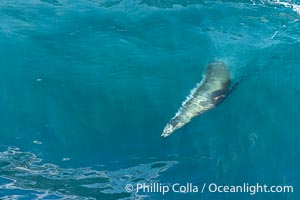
{"x": 86, "y": 88}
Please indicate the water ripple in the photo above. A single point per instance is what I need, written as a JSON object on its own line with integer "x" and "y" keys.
{"x": 24, "y": 172}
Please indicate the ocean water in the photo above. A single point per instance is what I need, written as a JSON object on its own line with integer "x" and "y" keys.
{"x": 87, "y": 86}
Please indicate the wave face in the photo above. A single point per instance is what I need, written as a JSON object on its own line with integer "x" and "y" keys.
{"x": 86, "y": 88}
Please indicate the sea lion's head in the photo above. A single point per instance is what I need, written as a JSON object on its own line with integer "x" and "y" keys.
{"x": 168, "y": 130}
{"x": 174, "y": 124}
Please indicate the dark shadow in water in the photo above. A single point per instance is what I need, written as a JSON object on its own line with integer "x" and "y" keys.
{"x": 53, "y": 2}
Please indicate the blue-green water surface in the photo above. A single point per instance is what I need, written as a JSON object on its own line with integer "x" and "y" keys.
{"x": 87, "y": 86}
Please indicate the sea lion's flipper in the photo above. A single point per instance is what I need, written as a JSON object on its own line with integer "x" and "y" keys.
{"x": 234, "y": 87}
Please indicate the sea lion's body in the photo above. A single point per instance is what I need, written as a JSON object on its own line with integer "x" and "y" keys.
{"x": 207, "y": 95}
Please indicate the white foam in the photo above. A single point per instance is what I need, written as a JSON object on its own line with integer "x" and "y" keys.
{"x": 295, "y": 7}
{"x": 37, "y": 142}
{"x": 189, "y": 97}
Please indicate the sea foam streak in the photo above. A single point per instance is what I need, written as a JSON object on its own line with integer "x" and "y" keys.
{"x": 295, "y": 7}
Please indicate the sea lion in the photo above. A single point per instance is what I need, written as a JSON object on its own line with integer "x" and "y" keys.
{"x": 209, "y": 93}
